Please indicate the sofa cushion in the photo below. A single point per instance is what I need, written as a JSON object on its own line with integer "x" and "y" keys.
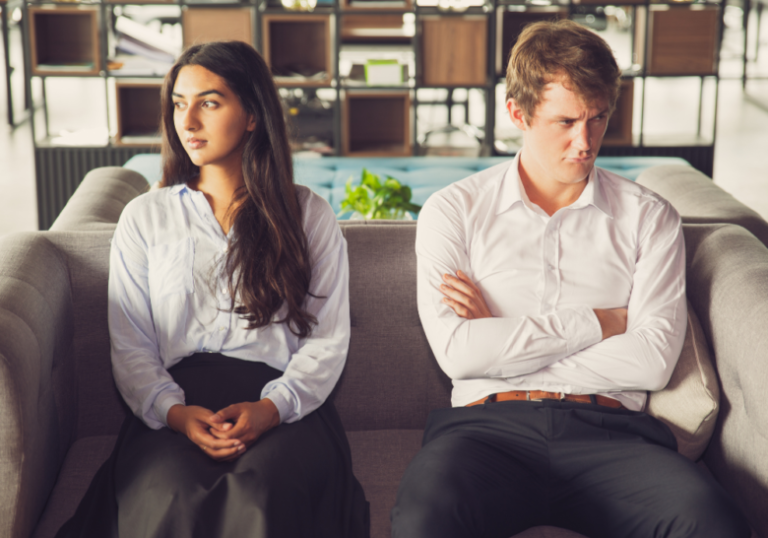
{"x": 690, "y": 401}
{"x": 83, "y": 460}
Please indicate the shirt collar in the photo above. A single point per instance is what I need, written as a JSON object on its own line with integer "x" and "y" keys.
{"x": 179, "y": 188}
{"x": 593, "y": 194}
{"x": 511, "y": 191}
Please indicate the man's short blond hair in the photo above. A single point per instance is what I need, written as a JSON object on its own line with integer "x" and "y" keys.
{"x": 561, "y": 51}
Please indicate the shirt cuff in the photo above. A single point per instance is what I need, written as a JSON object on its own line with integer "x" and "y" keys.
{"x": 282, "y": 399}
{"x": 582, "y": 328}
{"x": 163, "y": 404}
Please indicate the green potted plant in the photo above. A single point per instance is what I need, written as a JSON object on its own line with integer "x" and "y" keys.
{"x": 377, "y": 199}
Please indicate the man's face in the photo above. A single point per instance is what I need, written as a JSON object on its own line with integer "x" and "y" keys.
{"x": 563, "y": 137}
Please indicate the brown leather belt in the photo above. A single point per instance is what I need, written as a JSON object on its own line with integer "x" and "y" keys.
{"x": 536, "y": 395}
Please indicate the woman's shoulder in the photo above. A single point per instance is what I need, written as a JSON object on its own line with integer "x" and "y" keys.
{"x": 149, "y": 213}
{"x": 315, "y": 209}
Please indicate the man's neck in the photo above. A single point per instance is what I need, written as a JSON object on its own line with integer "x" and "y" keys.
{"x": 547, "y": 193}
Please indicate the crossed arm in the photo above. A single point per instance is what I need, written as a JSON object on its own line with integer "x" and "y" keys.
{"x": 467, "y": 301}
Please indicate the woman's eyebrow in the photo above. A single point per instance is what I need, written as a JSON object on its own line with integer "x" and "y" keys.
{"x": 201, "y": 94}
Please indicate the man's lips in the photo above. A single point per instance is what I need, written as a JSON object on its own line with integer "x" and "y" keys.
{"x": 579, "y": 160}
{"x": 196, "y": 143}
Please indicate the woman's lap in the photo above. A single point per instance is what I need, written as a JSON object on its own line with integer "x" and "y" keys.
{"x": 292, "y": 477}
{"x": 296, "y": 480}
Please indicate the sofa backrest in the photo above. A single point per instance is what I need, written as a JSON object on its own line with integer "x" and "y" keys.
{"x": 391, "y": 379}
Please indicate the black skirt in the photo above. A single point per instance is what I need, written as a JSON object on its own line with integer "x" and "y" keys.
{"x": 295, "y": 481}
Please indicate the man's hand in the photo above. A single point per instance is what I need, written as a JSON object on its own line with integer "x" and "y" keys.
{"x": 252, "y": 420}
{"x": 198, "y": 424}
{"x": 613, "y": 321}
{"x": 464, "y": 297}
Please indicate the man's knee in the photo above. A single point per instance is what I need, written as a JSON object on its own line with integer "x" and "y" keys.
{"x": 425, "y": 511}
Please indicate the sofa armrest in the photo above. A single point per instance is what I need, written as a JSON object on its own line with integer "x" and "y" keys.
{"x": 37, "y": 411}
{"x": 100, "y": 198}
{"x": 699, "y": 200}
{"x": 727, "y": 282}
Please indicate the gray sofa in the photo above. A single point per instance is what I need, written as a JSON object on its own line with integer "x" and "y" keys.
{"x": 60, "y": 411}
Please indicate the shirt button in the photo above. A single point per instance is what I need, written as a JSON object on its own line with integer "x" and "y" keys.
{"x": 551, "y": 267}
{"x": 222, "y": 329}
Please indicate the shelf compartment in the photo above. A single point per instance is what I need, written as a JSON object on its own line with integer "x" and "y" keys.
{"x": 376, "y": 124}
{"x": 64, "y": 40}
{"x": 454, "y": 51}
{"x": 619, "y": 130}
{"x": 138, "y": 112}
{"x": 376, "y": 5}
{"x": 378, "y": 29}
{"x": 509, "y": 24}
{"x": 682, "y": 40}
{"x": 204, "y": 24}
{"x": 297, "y": 48}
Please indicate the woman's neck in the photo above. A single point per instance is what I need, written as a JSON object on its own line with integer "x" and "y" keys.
{"x": 220, "y": 185}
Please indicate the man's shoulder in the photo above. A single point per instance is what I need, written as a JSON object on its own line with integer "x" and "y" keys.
{"x": 623, "y": 190}
{"x": 475, "y": 189}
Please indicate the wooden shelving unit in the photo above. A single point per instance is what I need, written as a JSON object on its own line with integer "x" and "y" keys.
{"x": 138, "y": 112}
{"x": 683, "y": 40}
{"x": 205, "y": 24}
{"x": 454, "y": 51}
{"x": 377, "y": 124}
{"x": 619, "y": 130}
{"x": 449, "y": 51}
{"x": 299, "y": 44}
{"x": 64, "y": 40}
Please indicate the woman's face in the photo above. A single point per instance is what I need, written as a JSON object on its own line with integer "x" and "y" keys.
{"x": 209, "y": 119}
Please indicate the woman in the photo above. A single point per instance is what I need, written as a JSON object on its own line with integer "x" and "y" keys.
{"x": 229, "y": 324}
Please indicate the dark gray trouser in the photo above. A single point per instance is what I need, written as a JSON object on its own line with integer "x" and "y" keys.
{"x": 496, "y": 469}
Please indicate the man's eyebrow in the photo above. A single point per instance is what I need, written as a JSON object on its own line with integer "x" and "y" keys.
{"x": 201, "y": 94}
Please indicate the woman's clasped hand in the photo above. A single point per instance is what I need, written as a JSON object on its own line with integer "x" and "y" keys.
{"x": 226, "y": 434}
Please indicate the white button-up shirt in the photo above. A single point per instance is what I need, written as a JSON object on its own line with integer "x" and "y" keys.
{"x": 168, "y": 299}
{"x": 618, "y": 245}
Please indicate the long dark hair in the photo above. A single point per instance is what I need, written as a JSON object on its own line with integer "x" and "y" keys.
{"x": 268, "y": 260}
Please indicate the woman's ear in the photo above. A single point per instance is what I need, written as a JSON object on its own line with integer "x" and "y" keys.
{"x": 251, "y": 123}
{"x": 516, "y": 114}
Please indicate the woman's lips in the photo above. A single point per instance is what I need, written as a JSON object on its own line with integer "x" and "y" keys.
{"x": 196, "y": 143}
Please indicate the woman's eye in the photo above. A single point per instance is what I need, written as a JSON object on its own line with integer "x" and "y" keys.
{"x": 178, "y": 105}
{"x": 210, "y": 104}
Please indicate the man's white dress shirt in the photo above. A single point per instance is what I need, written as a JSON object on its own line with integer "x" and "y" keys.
{"x": 618, "y": 245}
{"x": 168, "y": 299}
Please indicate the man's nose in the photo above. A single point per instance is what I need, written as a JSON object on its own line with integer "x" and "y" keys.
{"x": 582, "y": 137}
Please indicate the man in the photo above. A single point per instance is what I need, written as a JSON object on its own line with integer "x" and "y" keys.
{"x": 553, "y": 294}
